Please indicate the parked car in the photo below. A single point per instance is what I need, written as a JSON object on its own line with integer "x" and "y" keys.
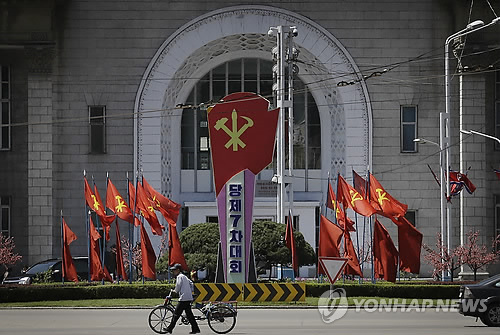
{"x": 482, "y": 300}
{"x": 54, "y": 265}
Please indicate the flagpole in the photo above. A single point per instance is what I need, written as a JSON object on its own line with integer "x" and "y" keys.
{"x": 87, "y": 213}
{"x": 357, "y": 228}
{"x": 62, "y": 247}
{"x": 102, "y": 226}
{"x": 131, "y": 228}
{"x": 371, "y": 234}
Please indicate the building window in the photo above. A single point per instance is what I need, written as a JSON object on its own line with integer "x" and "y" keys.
{"x": 411, "y": 215}
{"x": 497, "y": 108}
{"x": 5, "y": 217}
{"x": 212, "y": 219}
{"x": 247, "y": 75}
{"x": 97, "y": 129}
{"x": 5, "y": 126}
{"x": 408, "y": 128}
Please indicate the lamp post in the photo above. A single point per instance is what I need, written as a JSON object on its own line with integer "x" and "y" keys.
{"x": 442, "y": 189}
{"x": 444, "y": 129}
{"x": 470, "y": 28}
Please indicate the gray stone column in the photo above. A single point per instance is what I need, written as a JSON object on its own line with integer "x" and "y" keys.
{"x": 40, "y": 211}
{"x": 475, "y": 149}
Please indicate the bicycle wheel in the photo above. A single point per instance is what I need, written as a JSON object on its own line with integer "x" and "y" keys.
{"x": 221, "y": 319}
{"x": 159, "y": 319}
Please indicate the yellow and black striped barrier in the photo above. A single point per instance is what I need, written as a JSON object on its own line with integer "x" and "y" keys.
{"x": 218, "y": 292}
{"x": 275, "y": 292}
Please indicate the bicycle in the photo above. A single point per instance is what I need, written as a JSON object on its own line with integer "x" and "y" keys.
{"x": 221, "y": 316}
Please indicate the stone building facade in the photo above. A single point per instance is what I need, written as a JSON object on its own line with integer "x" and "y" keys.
{"x": 370, "y": 80}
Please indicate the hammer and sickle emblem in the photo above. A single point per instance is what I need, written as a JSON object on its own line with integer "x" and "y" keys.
{"x": 235, "y": 133}
{"x": 121, "y": 204}
{"x": 96, "y": 203}
{"x": 381, "y": 196}
{"x": 355, "y": 196}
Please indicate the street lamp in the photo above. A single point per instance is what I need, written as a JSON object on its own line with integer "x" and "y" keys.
{"x": 444, "y": 124}
{"x": 425, "y": 141}
{"x": 473, "y": 132}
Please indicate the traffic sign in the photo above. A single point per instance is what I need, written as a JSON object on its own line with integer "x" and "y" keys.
{"x": 333, "y": 266}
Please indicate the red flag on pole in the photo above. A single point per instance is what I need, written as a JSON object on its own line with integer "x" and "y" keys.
{"x": 97, "y": 272}
{"x": 350, "y": 197}
{"x": 410, "y": 245}
{"x": 175, "y": 252}
{"x": 331, "y": 199}
{"x": 120, "y": 266}
{"x": 329, "y": 240}
{"x": 148, "y": 211}
{"x": 132, "y": 203}
{"x": 359, "y": 184}
{"x": 242, "y": 135}
{"x": 168, "y": 208}
{"x": 332, "y": 203}
{"x": 386, "y": 205}
{"x": 148, "y": 256}
{"x": 117, "y": 204}
{"x": 92, "y": 200}
{"x": 106, "y": 220}
{"x": 290, "y": 244}
{"x": 68, "y": 269}
{"x": 352, "y": 267}
{"x": 385, "y": 254}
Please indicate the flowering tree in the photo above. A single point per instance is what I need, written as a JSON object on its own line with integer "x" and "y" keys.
{"x": 476, "y": 256}
{"x": 442, "y": 259}
{"x": 7, "y": 254}
{"x": 136, "y": 255}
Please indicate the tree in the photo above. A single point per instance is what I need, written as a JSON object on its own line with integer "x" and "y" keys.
{"x": 7, "y": 255}
{"x": 199, "y": 243}
{"x": 476, "y": 256}
{"x": 136, "y": 255}
{"x": 269, "y": 246}
{"x": 442, "y": 259}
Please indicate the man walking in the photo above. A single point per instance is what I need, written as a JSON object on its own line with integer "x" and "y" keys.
{"x": 183, "y": 287}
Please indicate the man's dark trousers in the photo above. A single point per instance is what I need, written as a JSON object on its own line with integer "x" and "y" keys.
{"x": 183, "y": 306}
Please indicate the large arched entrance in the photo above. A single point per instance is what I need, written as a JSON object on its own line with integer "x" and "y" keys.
{"x": 232, "y": 33}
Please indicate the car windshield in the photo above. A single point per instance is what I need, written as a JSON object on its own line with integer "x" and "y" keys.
{"x": 40, "y": 267}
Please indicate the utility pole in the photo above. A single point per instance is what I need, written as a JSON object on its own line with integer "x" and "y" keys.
{"x": 284, "y": 69}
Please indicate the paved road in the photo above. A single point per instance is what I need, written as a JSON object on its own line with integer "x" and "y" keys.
{"x": 250, "y": 321}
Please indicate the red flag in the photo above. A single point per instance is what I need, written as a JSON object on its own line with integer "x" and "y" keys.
{"x": 329, "y": 240}
{"x": 148, "y": 256}
{"x": 410, "y": 245}
{"x": 290, "y": 244}
{"x": 168, "y": 208}
{"x": 497, "y": 173}
{"x": 120, "y": 266}
{"x": 387, "y": 205}
{"x": 175, "y": 252}
{"x": 242, "y": 135}
{"x": 132, "y": 204}
{"x": 92, "y": 201}
{"x": 148, "y": 211}
{"x": 115, "y": 202}
{"x": 96, "y": 269}
{"x": 359, "y": 184}
{"x": 351, "y": 198}
{"x": 385, "y": 254}
{"x": 331, "y": 199}
{"x": 352, "y": 267}
{"x": 68, "y": 269}
{"x": 106, "y": 220}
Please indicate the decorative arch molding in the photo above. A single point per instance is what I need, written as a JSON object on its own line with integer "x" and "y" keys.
{"x": 241, "y": 31}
